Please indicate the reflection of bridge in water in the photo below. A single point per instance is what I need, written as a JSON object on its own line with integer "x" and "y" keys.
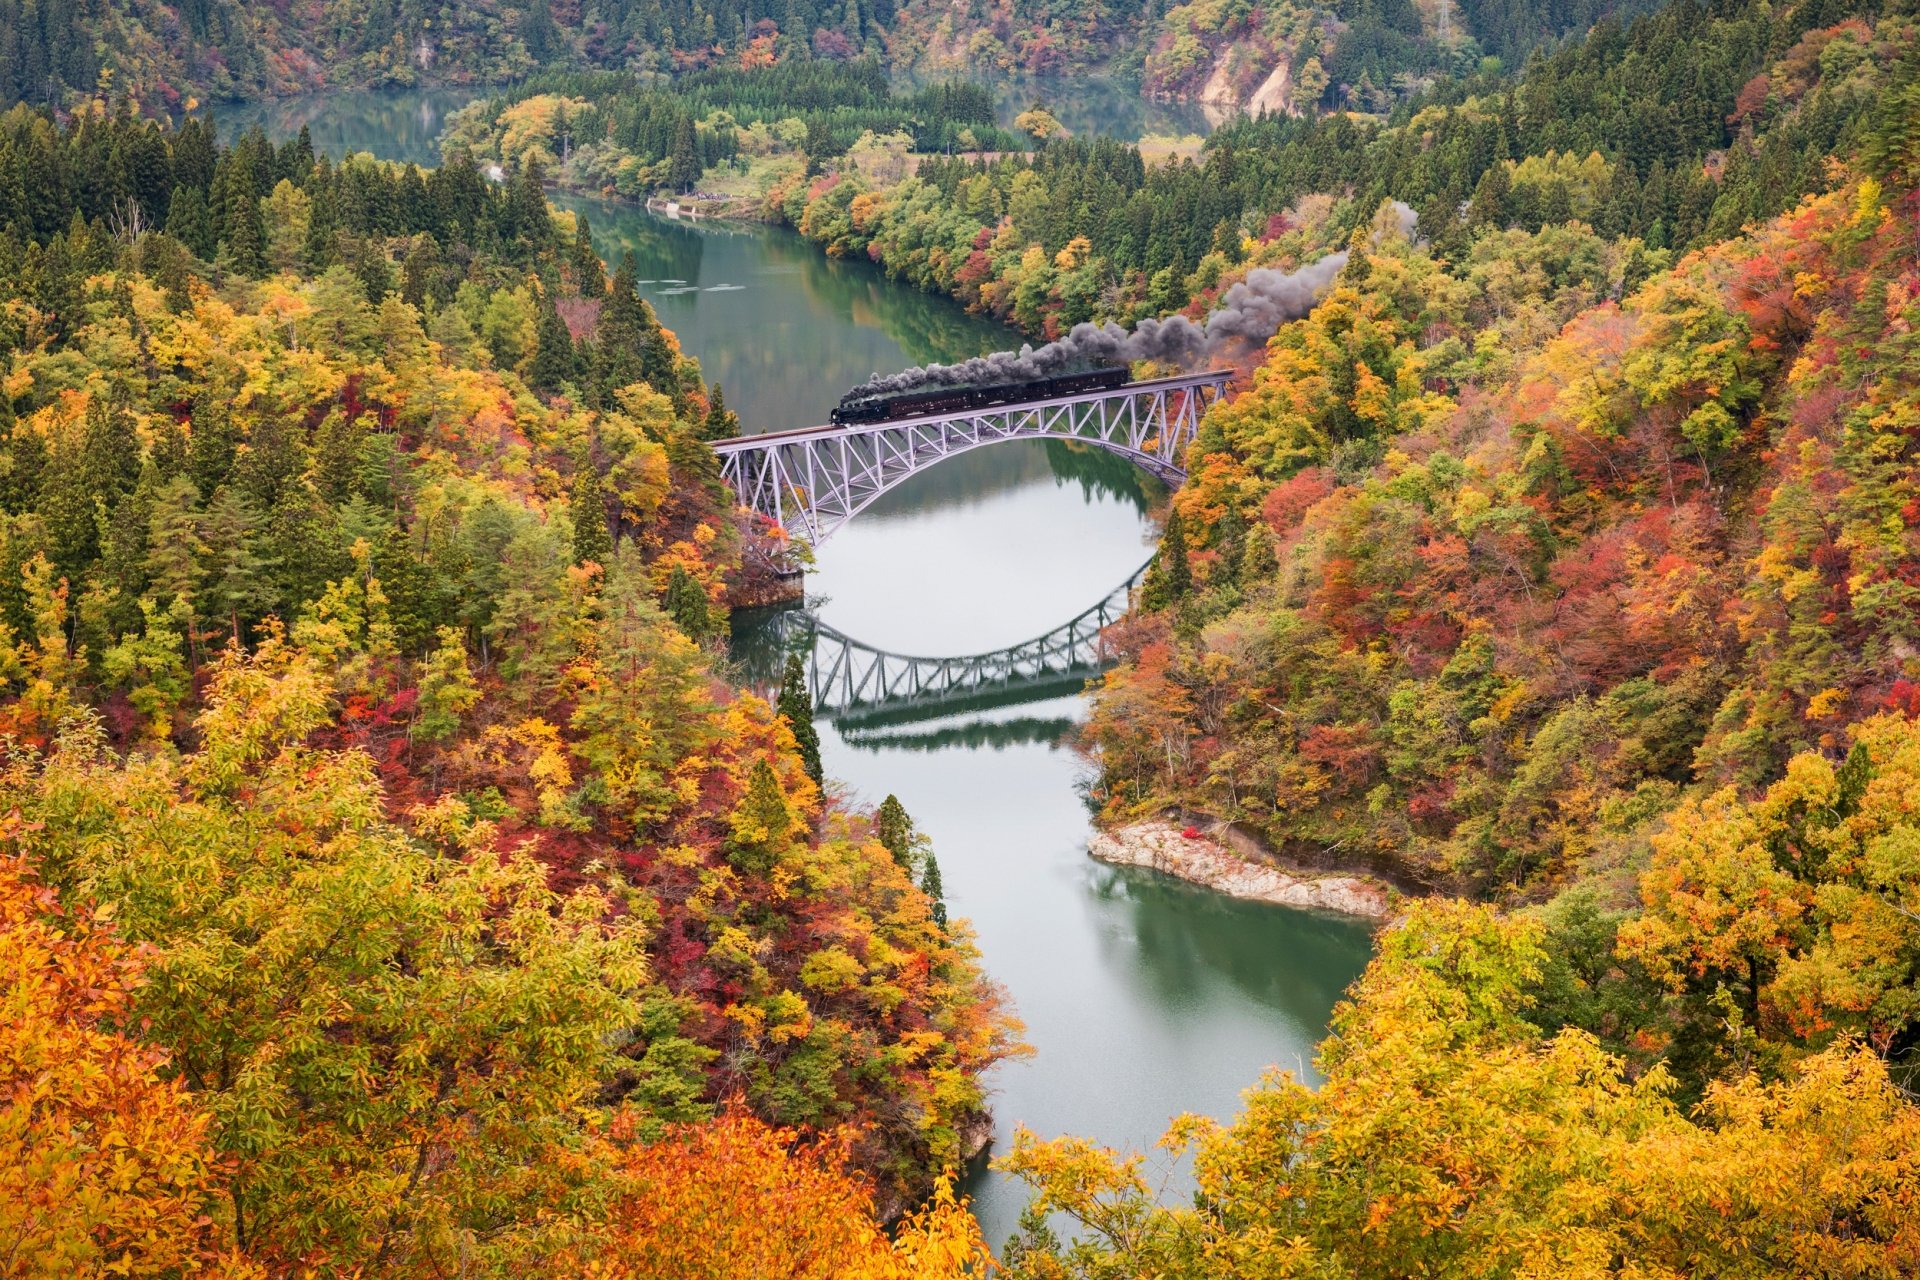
{"x": 815, "y": 480}
{"x": 865, "y": 689}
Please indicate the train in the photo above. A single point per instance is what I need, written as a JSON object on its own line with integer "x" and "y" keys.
{"x": 860, "y": 409}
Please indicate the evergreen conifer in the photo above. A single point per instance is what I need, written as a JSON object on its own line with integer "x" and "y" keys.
{"x": 796, "y": 706}
{"x": 592, "y": 540}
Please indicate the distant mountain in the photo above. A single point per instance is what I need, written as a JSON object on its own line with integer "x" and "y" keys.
{"x": 1288, "y": 57}
{"x": 1283, "y": 57}
{"x": 166, "y": 53}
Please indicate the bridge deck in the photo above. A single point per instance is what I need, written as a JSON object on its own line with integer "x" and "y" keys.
{"x": 760, "y": 440}
{"x": 815, "y": 479}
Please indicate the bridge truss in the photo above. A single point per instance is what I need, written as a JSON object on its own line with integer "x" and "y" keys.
{"x": 814, "y": 480}
{"x": 852, "y": 682}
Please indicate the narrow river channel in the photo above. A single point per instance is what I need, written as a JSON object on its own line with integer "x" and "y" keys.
{"x": 1143, "y": 997}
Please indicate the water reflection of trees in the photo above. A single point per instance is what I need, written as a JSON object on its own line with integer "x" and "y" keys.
{"x": 401, "y": 126}
{"x": 1099, "y": 472}
{"x": 972, "y": 735}
{"x": 1295, "y": 962}
{"x": 1089, "y": 106}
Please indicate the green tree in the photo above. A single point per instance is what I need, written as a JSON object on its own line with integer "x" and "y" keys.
{"x": 762, "y": 825}
{"x": 931, "y": 886}
{"x": 1171, "y": 578}
{"x": 795, "y": 706}
{"x": 553, "y": 355}
{"x": 893, "y": 828}
{"x": 447, "y": 688}
{"x": 592, "y": 539}
{"x": 685, "y": 601}
{"x": 243, "y": 232}
{"x": 721, "y": 422}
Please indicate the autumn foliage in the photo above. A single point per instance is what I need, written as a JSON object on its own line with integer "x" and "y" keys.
{"x": 105, "y": 1163}
{"x": 1453, "y": 1138}
{"x": 735, "y": 1199}
{"x": 358, "y": 627}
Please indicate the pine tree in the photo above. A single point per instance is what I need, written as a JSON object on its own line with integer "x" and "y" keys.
{"x": 796, "y": 707}
{"x": 1171, "y": 578}
{"x": 211, "y": 441}
{"x": 276, "y": 457}
{"x": 336, "y": 456}
{"x": 683, "y": 166}
{"x": 894, "y": 830}
{"x": 416, "y": 272}
{"x": 124, "y": 550}
{"x": 553, "y": 355}
{"x": 762, "y": 824}
{"x": 66, "y": 505}
{"x": 685, "y": 601}
{"x": 112, "y": 463}
{"x": 592, "y": 540}
{"x": 190, "y": 221}
{"x": 589, "y": 278}
{"x": 243, "y": 233}
{"x": 408, "y": 587}
{"x": 323, "y": 219}
{"x": 721, "y": 422}
{"x": 527, "y": 220}
{"x": 622, "y": 331}
{"x": 931, "y": 886}
{"x": 237, "y": 572}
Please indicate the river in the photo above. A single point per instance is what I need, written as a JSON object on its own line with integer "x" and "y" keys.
{"x": 1143, "y": 997}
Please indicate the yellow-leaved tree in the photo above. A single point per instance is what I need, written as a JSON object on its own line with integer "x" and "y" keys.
{"x": 395, "y": 1034}
{"x": 1452, "y": 1139}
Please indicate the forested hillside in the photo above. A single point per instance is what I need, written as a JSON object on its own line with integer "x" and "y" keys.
{"x": 56, "y": 50}
{"x": 722, "y": 129}
{"x": 392, "y": 885}
{"x": 389, "y": 884}
{"x": 1584, "y": 581}
{"x": 1660, "y": 135}
{"x": 1290, "y": 57}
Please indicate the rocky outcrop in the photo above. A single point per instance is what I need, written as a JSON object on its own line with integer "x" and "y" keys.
{"x": 1275, "y": 95}
{"x": 1205, "y": 861}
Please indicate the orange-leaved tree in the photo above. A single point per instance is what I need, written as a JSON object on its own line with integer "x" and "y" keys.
{"x": 105, "y": 1168}
{"x": 736, "y": 1199}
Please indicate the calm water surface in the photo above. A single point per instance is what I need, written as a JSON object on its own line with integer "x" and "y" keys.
{"x": 1143, "y": 997}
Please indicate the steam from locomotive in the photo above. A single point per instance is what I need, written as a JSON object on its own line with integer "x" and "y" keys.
{"x": 1251, "y": 312}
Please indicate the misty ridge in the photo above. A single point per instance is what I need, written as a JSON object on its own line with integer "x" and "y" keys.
{"x": 1250, "y": 312}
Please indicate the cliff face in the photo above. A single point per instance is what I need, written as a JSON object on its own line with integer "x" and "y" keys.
{"x": 1246, "y": 77}
{"x": 1205, "y": 861}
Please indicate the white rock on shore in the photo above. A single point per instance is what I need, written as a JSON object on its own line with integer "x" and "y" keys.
{"x": 1205, "y": 861}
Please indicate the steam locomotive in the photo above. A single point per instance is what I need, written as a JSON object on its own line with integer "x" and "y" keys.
{"x": 858, "y": 409}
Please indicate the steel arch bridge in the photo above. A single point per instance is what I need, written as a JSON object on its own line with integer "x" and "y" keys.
{"x": 814, "y": 480}
{"x": 856, "y": 684}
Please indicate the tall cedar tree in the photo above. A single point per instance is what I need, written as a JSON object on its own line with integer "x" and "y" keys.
{"x": 796, "y": 705}
{"x": 894, "y": 829}
{"x": 685, "y": 601}
{"x": 592, "y": 540}
{"x": 1170, "y": 579}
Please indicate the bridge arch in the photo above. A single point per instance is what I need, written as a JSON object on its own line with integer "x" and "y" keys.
{"x": 815, "y": 480}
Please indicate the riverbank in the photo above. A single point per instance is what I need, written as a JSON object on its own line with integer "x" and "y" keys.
{"x": 1197, "y": 857}
{"x": 705, "y": 208}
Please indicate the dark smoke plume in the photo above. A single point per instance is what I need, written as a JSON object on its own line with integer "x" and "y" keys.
{"x": 1251, "y": 312}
